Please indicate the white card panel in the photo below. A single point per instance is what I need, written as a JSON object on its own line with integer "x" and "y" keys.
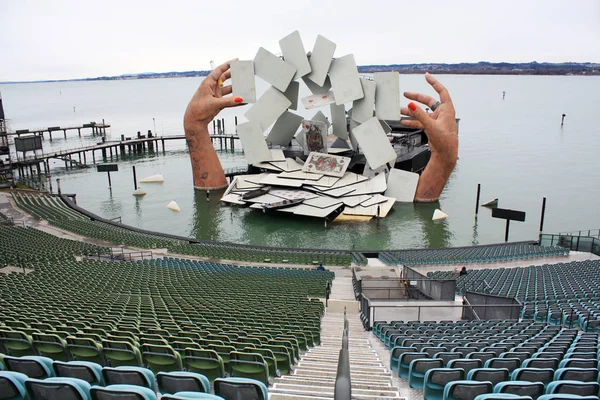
{"x": 273, "y": 69}
{"x": 233, "y": 199}
{"x": 374, "y": 143}
{"x": 273, "y": 179}
{"x": 362, "y": 109}
{"x": 292, "y": 194}
{"x": 309, "y": 211}
{"x": 253, "y": 142}
{"x": 265, "y": 198}
{"x": 384, "y": 209}
{"x": 319, "y": 116}
{"x": 292, "y": 93}
{"x": 323, "y": 202}
{"x": 337, "y": 150}
{"x": 325, "y": 182}
{"x": 256, "y": 178}
{"x": 316, "y": 89}
{"x": 320, "y": 60}
{"x": 386, "y": 127}
{"x": 284, "y": 129}
{"x": 349, "y": 179}
{"x": 376, "y": 199}
{"x": 343, "y": 191}
{"x": 269, "y": 166}
{"x": 268, "y": 108}
{"x": 372, "y": 186}
{"x": 345, "y": 80}
{"x": 277, "y": 155}
{"x": 402, "y": 185}
{"x": 301, "y": 175}
{"x": 290, "y": 165}
{"x": 294, "y": 53}
{"x": 242, "y": 80}
{"x": 387, "y": 95}
{"x": 338, "y": 118}
{"x": 353, "y": 201}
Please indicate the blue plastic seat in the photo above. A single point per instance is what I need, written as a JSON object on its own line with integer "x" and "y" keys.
{"x": 578, "y": 363}
{"x": 573, "y": 387}
{"x": 509, "y": 363}
{"x": 136, "y": 376}
{"x": 122, "y": 392}
{"x": 180, "y": 381}
{"x": 33, "y": 366}
{"x": 418, "y": 368}
{"x": 466, "y": 390}
{"x": 436, "y": 379}
{"x": 12, "y": 385}
{"x": 465, "y": 363}
{"x": 521, "y": 388}
{"x": 404, "y": 361}
{"x": 57, "y": 389}
{"x": 540, "y": 363}
{"x": 84, "y": 370}
{"x": 558, "y": 396}
{"x": 502, "y": 396}
{"x": 240, "y": 389}
{"x": 191, "y": 395}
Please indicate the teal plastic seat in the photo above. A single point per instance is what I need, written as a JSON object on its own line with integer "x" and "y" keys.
{"x": 466, "y": 390}
{"x": 573, "y": 387}
{"x": 137, "y": 376}
{"x": 395, "y": 354}
{"x": 558, "y": 396}
{"x": 544, "y": 375}
{"x": 33, "y": 366}
{"x": 521, "y": 388}
{"x": 58, "y": 389}
{"x": 191, "y": 395}
{"x": 576, "y": 374}
{"x": 181, "y": 381}
{"x": 241, "y": 388}
{"x": 418, "y": 368}
{"x": 84, "y": 370}
{"x": 436, "y": 379}
{"x": 502, "y": 396}
{"x": 12, "y": 385}
{"x": 122, "y": 392}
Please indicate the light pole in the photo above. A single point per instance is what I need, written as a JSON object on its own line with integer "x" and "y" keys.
{"x": 154, "y": 122}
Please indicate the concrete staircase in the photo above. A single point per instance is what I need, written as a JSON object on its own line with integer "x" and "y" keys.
{"x": 314, "y": 376}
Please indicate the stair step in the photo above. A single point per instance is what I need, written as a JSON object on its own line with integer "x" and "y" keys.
{"x": 321, "y": 390}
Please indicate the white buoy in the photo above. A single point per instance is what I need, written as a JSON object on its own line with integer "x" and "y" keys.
{"x": 139, "y": 192}
{"x": 173, "y": 206}
{"x": 158, "y": 178}
{"x": 439, "y": 215}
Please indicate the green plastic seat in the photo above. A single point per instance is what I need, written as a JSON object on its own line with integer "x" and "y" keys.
{"x": 51, "y": 346}
{"x": 119, "y": 354}
{"x": 161, "y": 358}
{"x": 248, "y": 365}
{"x": 84, "y": 349}
{"x": 204, "y": 361}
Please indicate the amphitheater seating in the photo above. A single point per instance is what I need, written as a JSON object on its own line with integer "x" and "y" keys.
{"x": 59, "y": 214}
{"x": 526, "y": 361}
{"x": 473, "y": 254}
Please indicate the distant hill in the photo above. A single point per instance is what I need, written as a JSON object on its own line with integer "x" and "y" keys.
{"x": 480, "y": 68}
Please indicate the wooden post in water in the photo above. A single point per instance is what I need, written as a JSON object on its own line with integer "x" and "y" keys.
{"x": 477, "y": 200}
{"x": 543, "y": 214}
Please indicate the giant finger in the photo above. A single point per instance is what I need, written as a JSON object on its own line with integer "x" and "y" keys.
{"x": 230, "y": 101}
{"x": 421, "y": 98}
{"x": 226, "y": 75}
{"x": 411, "y": 123}
{"x": 423, "y": 117}
{"x": 220, "y": 70}
{"x": 225, "y": 90}
{"x": 438, "y": 87}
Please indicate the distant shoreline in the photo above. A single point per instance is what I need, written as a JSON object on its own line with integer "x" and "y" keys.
{"x": 480, "y": 68}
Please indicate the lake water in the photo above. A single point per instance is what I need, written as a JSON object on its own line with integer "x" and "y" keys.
{"x": 516, "y": 148}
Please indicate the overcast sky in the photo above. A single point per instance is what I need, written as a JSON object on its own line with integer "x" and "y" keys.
{"x": 61, "y": 39}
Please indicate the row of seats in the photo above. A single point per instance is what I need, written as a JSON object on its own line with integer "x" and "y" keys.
{"x": 475, "y": 254}
{"x": 431, "y": 355}
{"x": 58, "y": 214}
{"x": 561, "y": 294}
{"x": 43, "y": 379}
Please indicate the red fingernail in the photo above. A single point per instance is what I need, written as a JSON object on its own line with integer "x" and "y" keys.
{"x": 412, "y": 106}
{"x": 238, "y": 99}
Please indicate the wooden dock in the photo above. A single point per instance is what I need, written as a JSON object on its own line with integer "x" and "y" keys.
{"x": 98, "y": 128}
{"x": 78, "y": 157}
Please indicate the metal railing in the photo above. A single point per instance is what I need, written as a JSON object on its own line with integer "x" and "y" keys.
{"x": 121, "y": 255}
{"x": 435, "y": 289}
{"x": 343, "y": 384}
{"x": 577, "y": 243}
{"x": 590, "y": 233}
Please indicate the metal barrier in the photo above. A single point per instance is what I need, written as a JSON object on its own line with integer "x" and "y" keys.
{"x": 113, "y": 255}
{"x": 589, "y": 244}
{"x": 487, "y": 306}
{"x": 589, "y": 233}
{"x": 435, "y": 289}
{"x": 343, "y": 384}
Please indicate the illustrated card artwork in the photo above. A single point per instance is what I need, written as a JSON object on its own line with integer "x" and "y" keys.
{"x": 326, "y": 164}
{"x": 362, "y": 109}
{"x": 387, "y": 95}
{"x": 345, "y": 80}
{"x": 338, "y": 119}
{"x": 284, "y": 129}
{"x": 273, "y": 69}
{"x": 320, "y": 60}
{"x": 292, "y": 93}
{"x": 268, "y": 108}
{"x": 294, "y": 53}
{"x": 242, "y": 80}
{"x": 318, "y": 100}
{"x": 315, "y": 136}
{"x": 374, "y": 143}
{"x": 253, "y": 142}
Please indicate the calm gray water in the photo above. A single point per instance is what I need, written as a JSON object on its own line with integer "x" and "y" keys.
{"x": 515, "y": 148}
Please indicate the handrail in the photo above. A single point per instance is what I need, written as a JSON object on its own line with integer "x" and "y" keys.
{"x": 579, "y": 233}
{"x": 343, "y": 384}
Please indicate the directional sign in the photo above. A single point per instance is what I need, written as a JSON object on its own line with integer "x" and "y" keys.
{"x": 108, "y": 167}
{"x": 505, "y": 213}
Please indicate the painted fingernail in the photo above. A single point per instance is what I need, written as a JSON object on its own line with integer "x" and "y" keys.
{"x": 412, "y": 106}
{"x": 238, "y": 99}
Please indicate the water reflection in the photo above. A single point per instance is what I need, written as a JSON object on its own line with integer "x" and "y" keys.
{"x": 205, "y": 221}
{"x": 436, "y": 234}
